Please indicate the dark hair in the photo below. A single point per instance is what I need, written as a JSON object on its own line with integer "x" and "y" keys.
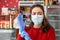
{"x": 45, "y": 24}
{"x": 22, "y": 9}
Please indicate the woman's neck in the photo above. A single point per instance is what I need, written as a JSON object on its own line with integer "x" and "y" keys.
{"x": 37, "y": 26}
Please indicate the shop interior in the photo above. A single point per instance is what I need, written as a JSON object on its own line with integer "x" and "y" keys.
{"x": 52, "y": 12}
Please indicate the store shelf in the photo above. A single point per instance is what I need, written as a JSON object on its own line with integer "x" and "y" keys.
{"x": 30, "y": 3}
{"x": 53, "y": 15}
{"x": 58, "y": 35}
{"x": 31, "y": 0}
{"x": 7, "y": 34}
{"x": 54, "y": 6}
{"x": 57, "y": 29}
{"x": 6, "y": 31}
{"x": 54, "y": 20}
{"x": 13, "y": 38}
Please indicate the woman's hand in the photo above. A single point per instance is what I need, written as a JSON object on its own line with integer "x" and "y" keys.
{"x": 22, "y": 25}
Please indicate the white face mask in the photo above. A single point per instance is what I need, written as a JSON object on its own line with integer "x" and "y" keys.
{"x": 37, "y": 19}
{"x": 27, "y": 22}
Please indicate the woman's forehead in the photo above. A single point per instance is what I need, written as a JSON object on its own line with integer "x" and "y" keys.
{"x": 37, "y": 9}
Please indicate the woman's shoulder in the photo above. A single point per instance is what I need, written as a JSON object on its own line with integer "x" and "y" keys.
{"x": 51, "y": 29}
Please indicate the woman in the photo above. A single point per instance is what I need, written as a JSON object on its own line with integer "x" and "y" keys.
{"x": 39, "y": 28}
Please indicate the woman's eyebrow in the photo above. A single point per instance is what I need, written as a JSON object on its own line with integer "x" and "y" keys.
{"x": 39, "y": 12}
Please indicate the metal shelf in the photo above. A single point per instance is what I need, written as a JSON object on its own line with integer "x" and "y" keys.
{"x": 31, "y": 0}
{"x": 54, "y": 20}
{"x": 6, "y": 31}
{"x": 54, "y": 6}
{"x": 57, "y": 29}
{"x": 30, "y": 3}
{"x": 57, "y": 35}
{"x": 53, "y": 15}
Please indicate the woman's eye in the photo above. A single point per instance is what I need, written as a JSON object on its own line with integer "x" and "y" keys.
{"x": 39, "y": 13}
{"x": 34, "y": 13}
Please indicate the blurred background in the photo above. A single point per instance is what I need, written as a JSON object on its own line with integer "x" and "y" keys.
{"x": 9, "y": 10}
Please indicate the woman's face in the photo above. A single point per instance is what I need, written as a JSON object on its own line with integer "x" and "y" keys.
{"x": 37, "y": 15}
{"x": 37, "y": 11}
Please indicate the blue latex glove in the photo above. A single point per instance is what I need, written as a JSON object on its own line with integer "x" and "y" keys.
{"x": 22, "y": 25}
